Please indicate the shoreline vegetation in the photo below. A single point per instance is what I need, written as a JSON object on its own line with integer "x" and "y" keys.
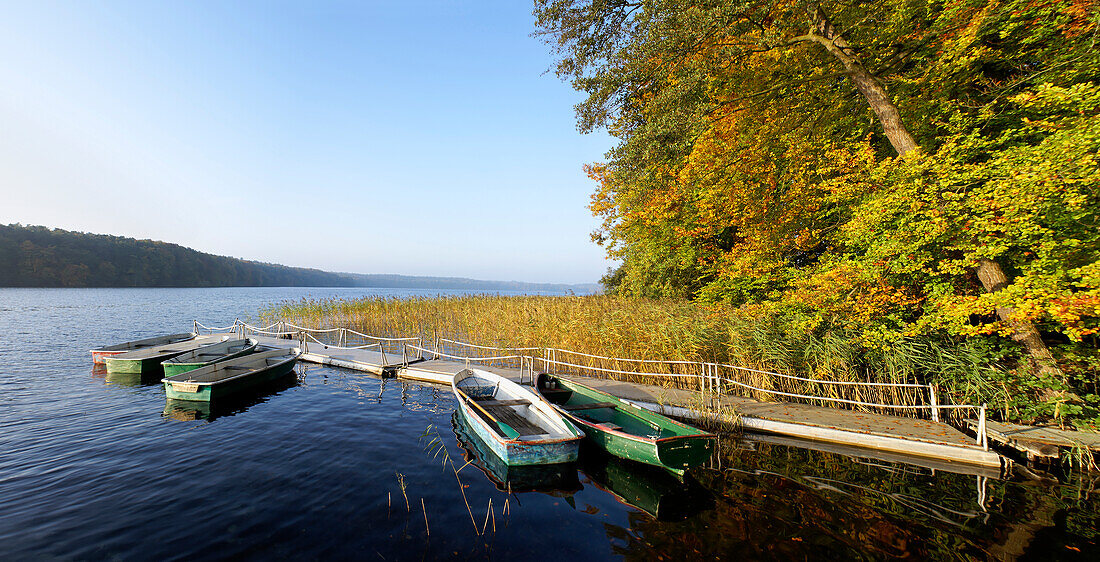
{"x": 680, "y": 330}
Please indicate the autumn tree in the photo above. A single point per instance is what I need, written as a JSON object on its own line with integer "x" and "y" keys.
{"x": 849, "y": 158}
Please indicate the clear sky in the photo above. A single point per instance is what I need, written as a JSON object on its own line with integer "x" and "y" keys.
{"x": 392, "y": 136}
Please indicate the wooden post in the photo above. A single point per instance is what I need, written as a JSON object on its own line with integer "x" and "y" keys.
{"x": 934, "y": 403}
{"x": 982, "y": 438}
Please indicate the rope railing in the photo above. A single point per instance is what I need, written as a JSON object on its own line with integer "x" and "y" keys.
{"x": 267, "y": 331}
{"x": 314, "y": 330}
{"x": 745, "y": 369}
{"x": 708, "y": 374}
{"x": 470, "y": 345}
{"x": 334, "y": 346}
{"x": 523, "y": 359}
{"x": 200, "y": 325}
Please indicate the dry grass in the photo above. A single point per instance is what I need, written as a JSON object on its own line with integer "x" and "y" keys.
{"x": 612, "y": 326}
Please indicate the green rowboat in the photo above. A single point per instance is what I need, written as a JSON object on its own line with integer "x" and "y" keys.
{"x": 148, "y": 360}
{"x": 100, "y": 355}
{"x": 625, "y": 430}
{"x": 206, "y": 355}
{"x": 232, "y": 376}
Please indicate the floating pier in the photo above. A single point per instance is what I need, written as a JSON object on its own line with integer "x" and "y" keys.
{"x": 932, "y": 440}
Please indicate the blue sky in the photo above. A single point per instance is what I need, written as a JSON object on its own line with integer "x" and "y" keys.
{"x": 412, "y": 137}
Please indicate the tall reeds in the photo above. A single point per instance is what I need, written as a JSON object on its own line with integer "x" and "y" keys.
{"x": 681, "y": 337}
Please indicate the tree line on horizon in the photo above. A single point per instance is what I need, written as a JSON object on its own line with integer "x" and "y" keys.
{"x": 38, "y": 256}
{"x": 883, "y": 171}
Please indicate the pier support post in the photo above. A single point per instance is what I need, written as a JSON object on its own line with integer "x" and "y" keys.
{"x": 935, "y": 404}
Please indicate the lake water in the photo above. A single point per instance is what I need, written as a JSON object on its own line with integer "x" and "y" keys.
{"x": 336, "y": 464}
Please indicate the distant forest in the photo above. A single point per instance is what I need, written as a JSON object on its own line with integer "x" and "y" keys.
{"x": 38, "y": 256}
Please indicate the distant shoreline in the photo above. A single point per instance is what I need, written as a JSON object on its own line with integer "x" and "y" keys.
{"x": 566, "y": 290}
{"x": 39, "y": 257}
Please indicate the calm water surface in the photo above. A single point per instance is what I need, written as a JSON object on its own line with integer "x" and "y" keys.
{"x": 336, "y": 464}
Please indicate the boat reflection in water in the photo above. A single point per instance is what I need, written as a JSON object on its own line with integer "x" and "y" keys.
{"x": 99, "y": 371}
{"x": 189, "y": 410}
{"x": 654, "y": 490}
{"x": 553, "y": 479}
{"x": 128, "y": 379}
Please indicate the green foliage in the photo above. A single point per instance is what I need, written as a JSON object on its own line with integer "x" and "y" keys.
{"x": 754, "y": 170}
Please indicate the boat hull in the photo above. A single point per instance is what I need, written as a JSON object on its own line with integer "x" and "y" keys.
{"x": 100, "y": 355}
{"x": 673, "y": 445}
{"x": 520, "y": 453}
{"x": 172, "y": 368}
{"x": 145, "y": 366}
{"x": 195, "y": 392}
{"x": 553, "y": 479}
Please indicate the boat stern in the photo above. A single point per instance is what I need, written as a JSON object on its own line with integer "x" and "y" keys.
{"x": 682, "y": 453}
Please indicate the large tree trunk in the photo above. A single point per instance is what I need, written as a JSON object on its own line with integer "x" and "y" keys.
{"x": 823, "y": 33}
{"x": 993, "y": 278}
{"x": 989, "y": 272}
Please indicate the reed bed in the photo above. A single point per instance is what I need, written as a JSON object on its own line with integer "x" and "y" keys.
{"x": 663, "y": 342}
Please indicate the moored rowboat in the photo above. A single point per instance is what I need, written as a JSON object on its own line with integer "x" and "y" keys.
{"x": 148, "y": 360}
{"x": 625, "y": 430}
{"x": 99, "y": 355}
{"x": 228, "y": 377}
{"x": 516, "y": 424}
{"x": 207, "y": 355}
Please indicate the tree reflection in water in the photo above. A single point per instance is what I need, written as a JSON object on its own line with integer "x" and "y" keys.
{"x": 782, "y": 502}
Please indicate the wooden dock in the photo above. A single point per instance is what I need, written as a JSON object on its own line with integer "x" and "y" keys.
{"x": 924, "y": 441}
{"x": 368, "y": 360}
{"x": 1042, "y": 443}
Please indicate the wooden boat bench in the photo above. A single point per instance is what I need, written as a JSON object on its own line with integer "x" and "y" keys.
{"x": 592, "y": 406}
{"x": 487, "y": 402}
{"x": 513, "y": 420}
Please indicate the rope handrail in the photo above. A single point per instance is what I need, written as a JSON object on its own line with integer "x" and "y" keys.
{"x": 318, "y": 330}
{"x": 464, "y": 344}
{"x": 822, "y": 381}
{"x": 330, "y": 346}
{"x": 441, "y": 354}
{"x": 271, "y": 333}
{"x": 735, "y": 367}
{"x": 205, "y": 327}
{"x": 380, "y": 338}
{"x": 663, "y": 361}
{"x": 930, "y": 407}
{"x": 770, "y": 391}
{"x": 616, "y": 371}
{"x": 255, "y": 328}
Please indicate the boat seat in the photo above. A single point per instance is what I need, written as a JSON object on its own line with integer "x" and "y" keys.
{"x": 491, "y": 402}
{"x": 592, "y": 406}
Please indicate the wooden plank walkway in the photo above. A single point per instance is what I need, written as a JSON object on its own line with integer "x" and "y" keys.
{"x": 1041, "y": 442}
{"x": 890, "y": 434}
{"x": 368, "y": 360}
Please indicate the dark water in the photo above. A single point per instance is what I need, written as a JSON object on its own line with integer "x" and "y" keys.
{"x": 323, "y": 465}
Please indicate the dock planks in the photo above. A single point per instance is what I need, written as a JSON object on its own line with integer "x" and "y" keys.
{"x": 1040, "y": 442}
{"x": 368, "y": 360}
